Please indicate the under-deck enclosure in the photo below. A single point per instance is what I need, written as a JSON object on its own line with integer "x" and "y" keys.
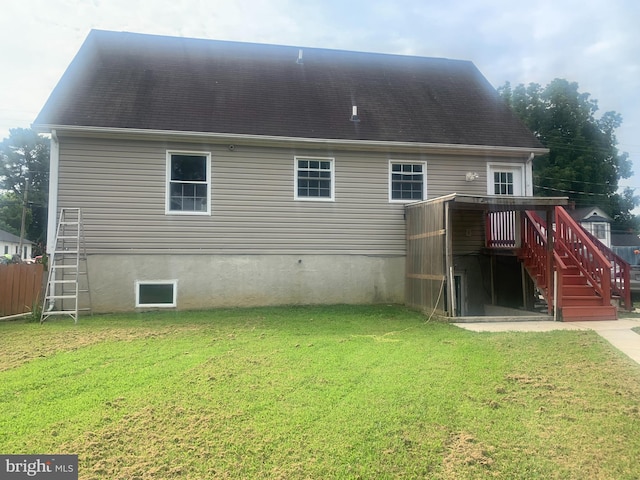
{"x": 462, "y": 253}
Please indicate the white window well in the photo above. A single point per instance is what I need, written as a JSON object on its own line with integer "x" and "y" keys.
{"x": 160, "y": 293}
{"x": 407, "y": 181}
{"x": 188, "y": 183}
{"x": 314, "y": 178}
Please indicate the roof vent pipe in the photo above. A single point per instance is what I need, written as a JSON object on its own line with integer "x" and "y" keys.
{"x": 299, "y": 60}
{"x": 354, "y": 114}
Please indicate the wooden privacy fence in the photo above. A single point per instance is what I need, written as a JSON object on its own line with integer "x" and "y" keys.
{"x": 20, "y": 288}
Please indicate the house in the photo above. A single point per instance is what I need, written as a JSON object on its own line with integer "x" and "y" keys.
{"x": 627, "y": 245}
{"x": 595, "y": 221}
{"x": 214, "y": 173}
{"x": 10, "y": 245}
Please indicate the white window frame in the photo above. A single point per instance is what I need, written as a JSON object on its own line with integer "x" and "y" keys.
{"x": 174, "y": 302}
{"x": 331, "y": 160}
{"x": 168, "y": 210}
{"x": 505, "y": 167}
{"x": 602, "y": 226}
{"x": 424, "y": 180}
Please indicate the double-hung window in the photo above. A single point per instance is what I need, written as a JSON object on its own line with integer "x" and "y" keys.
{"x": 600, "y": 230}
{"x": 314, "y": 178}
{"x": 188, "y": 183}
{"x": 407, "y": 181}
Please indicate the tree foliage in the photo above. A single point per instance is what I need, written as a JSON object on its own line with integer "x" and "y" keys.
{"x": 24, "y": 157}
{"x": 583, "y": 162}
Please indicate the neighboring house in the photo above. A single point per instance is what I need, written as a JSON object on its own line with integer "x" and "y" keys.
{"x": 595, "y": 221}
{"x": 10, "y": 244}
{"x": 627, "y": 245}
{"x": 216, "y": 173}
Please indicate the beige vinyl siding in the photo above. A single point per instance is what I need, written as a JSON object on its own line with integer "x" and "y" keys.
{"x": 447, "y": 174}
{"x": 121, "y": 187}
{"x": 468, "y": 232}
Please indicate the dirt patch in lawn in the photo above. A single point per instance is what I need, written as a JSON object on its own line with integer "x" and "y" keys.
{"x": 16, "y": 350}
{"x": 464, "y": 452}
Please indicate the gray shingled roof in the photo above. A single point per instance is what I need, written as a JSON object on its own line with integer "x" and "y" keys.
{"x": 625, "y": 240}
{"x": 11, "y": 238}
{"x": 580, "y": 215}
{"x": 127, "y": 80}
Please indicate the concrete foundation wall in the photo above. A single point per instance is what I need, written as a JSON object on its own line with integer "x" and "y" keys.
{"x": 207, "y": 281}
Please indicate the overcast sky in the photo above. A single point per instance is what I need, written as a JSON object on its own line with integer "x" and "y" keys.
{"x": 595, "y": 43}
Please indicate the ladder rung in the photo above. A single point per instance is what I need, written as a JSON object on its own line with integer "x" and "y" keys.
{"x": 67, "y": 222}
{"x": 64, "y": 266}
{"x": 62, "y": 297}
{"x": 59, "y": 312}
{"x": 67, "y": 237}
{"x": 57, "y": 252}
{"x": 62, "y": 281}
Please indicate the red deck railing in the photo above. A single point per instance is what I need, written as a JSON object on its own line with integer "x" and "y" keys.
{"x": 572, "y": 240}
{"x": 501, "y": 230}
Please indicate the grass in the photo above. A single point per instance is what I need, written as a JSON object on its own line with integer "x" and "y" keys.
{"x": 317, "y": 392}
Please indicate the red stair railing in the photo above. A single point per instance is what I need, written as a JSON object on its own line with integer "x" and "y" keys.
{"x": 534, "y": 247}
{"x": 620, "y": 272}
{"x": 535, "y": 251}
{"x": 571, "y": 240}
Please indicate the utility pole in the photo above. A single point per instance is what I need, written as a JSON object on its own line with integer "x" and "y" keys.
{"x": 24, "y": 213}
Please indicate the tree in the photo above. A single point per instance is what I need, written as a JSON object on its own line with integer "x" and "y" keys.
{"x": 24, "y": 172}
{"x": 10, "y": 212}
{"x": 583, "y": 162}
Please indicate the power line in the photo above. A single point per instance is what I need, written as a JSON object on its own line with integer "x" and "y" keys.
{"x": 573, "y": 191}
{"x": 573, "y": 181}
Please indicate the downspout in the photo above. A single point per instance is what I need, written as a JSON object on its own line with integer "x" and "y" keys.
{"x": 528, "y": 176}
{"x": 52, "y": 213}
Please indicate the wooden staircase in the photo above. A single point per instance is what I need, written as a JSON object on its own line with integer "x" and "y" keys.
{"x": 573, "y": 274}
{"x": 579, "y": 300}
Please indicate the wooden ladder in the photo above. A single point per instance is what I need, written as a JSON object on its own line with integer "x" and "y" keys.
{"x": 68, "y": 277}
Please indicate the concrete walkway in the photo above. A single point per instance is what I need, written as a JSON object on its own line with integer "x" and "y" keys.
{"x": 617, "y": 332}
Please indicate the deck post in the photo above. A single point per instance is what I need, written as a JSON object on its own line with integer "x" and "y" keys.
{"x": 451, "y": 301}
{"x": 550, "y": 263}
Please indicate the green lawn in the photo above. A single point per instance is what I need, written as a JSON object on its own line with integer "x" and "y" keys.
{"x": 317, "y": 392}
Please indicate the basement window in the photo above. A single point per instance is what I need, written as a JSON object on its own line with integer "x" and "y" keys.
{"x": 162, "y": 293}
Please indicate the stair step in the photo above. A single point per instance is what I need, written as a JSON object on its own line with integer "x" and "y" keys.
{"x": 574, "y": 280}
{"x": 576, "y": 314}
{"x": 577, "y": 290}
{"x": 581, "y": 300}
